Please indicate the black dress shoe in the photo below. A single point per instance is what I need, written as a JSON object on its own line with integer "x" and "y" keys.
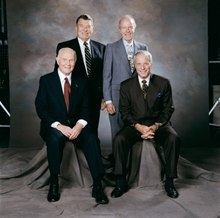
{"x": 99, "y": 195}
{"x": 54, "y": 193}
{"x": 171, "y": 191}
{"x": 118, "y": 192}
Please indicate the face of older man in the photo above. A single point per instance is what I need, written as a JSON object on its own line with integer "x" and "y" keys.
{"x": 84, "y": 29}
{"x": 143, "y": 65}
{"x": 66, "y": 60}
{"x": 127, "y": 28}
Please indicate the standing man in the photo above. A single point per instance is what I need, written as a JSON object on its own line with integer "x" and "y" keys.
{"x": 62, "y": 105}
{"x": 89, "y": 64}
{"x": 119, "y": 66}
{"x": 146, "y": 106}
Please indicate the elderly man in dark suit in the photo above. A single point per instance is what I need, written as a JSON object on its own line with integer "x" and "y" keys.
{"x": 146, "y": 107}
{"x": 62, "y": 105}
{"x": 119, "y": 66}
{"x": 89, "y": 64}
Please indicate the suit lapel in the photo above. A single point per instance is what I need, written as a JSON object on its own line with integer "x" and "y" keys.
{"x": 80, "y": 66}
{"x": 137, "y": 85}
{"x": 94, "y": 49}
{"x": 57, "y": 89}
{"x": 77, "y": 49}
{"x": 138, "y": 93}
{"x": 123, "y": 54}
{"x": 74, "y": 93}
{"x": 152, "y": 92}
{"x": 136, "y": 47}
{"x": 138, "y": 104}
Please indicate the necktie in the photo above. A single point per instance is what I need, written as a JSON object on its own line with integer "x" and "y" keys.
{"x": 88, "y": 58}
{"x": 130, "y": 54}
{"x": 144, "y": 88}
{"x": 67, "y": 90}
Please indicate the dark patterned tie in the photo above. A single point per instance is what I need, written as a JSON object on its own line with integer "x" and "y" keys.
{"x": 67, "y": 90}
{"x": 88, "y": 58}
{"x": 144, "y": 88}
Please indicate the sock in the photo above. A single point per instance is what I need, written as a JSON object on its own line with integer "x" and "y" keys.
{"x": 97, "y": 182}
{"x": 169, "y": 182}
{"x": 54, "y": 179}
{"x": 121, "y": 181}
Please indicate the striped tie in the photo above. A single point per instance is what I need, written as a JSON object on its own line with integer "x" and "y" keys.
{"x": 88, "y": 58}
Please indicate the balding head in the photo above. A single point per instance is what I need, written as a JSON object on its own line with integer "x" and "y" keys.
{"x": 65, "y": 51}
{"x": 66, "y": 60}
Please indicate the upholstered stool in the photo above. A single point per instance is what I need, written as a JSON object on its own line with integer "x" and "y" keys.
{"x": 144, "y": 167}
{"x": 144, "y": 164}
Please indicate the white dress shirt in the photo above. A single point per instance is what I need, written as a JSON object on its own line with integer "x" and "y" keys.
{"x": 82, "y": 48}
{"x": 62, "y": 81}
{"x": 129, "y": 47}
{"x": 147, "y": 80}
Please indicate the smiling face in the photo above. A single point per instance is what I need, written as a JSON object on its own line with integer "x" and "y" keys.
{"x": 127, "y": 28}
{"x": 84, "y": 29}
{"x": 143, "y": 64}
{"x": 66, "y": 60}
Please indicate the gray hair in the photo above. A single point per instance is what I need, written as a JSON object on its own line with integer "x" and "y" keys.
{"x": 67, "y": 49}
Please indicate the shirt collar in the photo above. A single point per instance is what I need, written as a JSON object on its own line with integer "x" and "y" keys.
{"x": 147, "y": 79}
{"x": 62, "y": 76}
{"x": 126, "y": 43}
{"x": 81, "y": 42}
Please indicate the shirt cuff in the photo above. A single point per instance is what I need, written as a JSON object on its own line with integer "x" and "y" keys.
{"x": 83, "y": 122}
{"x": 54, "y": 125}
{"x": 108, "y": 102}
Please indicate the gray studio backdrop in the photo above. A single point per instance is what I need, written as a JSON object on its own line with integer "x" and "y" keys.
{"x": 175, "y": 31}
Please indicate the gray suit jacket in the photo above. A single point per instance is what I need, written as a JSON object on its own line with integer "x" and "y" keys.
{"x": 116, "y": 69}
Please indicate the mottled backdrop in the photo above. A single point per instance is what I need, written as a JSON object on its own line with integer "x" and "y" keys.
{"x": 175, "y": 31}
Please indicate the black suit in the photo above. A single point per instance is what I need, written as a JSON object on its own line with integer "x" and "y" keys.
{"x": 158, "y": 107}
{"x": 95, "y": 78}
{"x": 50, "y": 106}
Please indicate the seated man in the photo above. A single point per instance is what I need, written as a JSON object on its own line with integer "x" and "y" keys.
{"x": 62, "y": 105}
{"x": 146, "y": 107}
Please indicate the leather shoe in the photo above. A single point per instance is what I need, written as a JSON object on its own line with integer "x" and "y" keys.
{"x": 99, "y": 195}
{"x": 118, "y": 192}
{"x": 171, "y": 191}
{"x": 53, "y": 194}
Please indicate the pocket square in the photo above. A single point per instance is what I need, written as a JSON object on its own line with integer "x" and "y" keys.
{"x": 159, "y": 94}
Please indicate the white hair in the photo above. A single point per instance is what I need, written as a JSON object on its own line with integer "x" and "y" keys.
{"x": 146, "y": 53}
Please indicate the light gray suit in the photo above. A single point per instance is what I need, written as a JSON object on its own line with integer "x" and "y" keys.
{"x": 116, "y": 70}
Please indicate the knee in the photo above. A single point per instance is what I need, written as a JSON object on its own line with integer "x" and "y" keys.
{"x": 174, "y": 140}
{"x": 55, "y": 137}
{"x": 119, "y": 140}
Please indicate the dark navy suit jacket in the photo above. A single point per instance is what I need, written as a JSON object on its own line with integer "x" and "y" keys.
{"x": 50, "y": 103}
{"x": 94, "y": 80}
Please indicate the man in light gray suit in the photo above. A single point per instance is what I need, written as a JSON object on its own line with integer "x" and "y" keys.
{"x": 119, "y": 66}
